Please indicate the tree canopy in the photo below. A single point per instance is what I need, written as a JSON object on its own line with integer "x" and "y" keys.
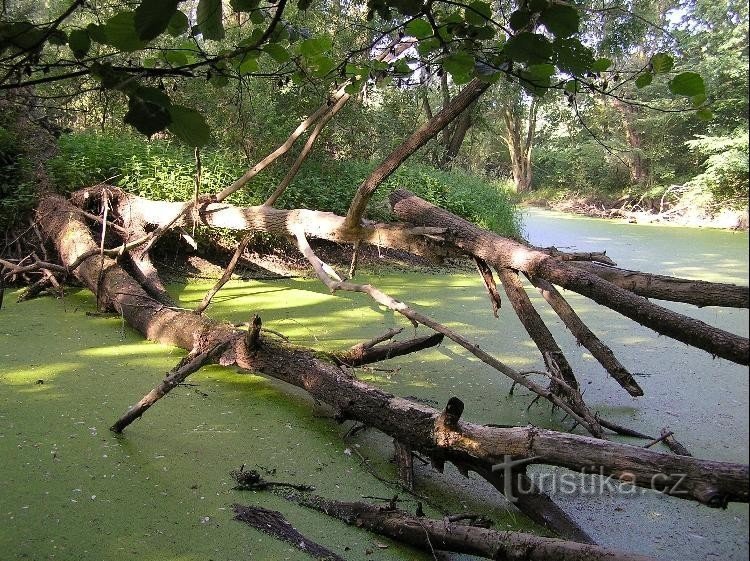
{"x": 147, "y": 51}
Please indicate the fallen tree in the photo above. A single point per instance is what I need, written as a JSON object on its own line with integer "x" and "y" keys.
{"x": 457, "y": 534}
{"x": 441, "y": 437}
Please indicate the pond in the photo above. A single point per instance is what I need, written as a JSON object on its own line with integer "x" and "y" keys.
{"x": 70, "y": 489}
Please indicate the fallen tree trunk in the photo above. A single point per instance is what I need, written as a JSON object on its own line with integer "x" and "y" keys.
{"x": 419, "y": 426}
{"x": 506, "y": 253}
{"x": 649, "y": 285}
{"x": 445, "y": 535}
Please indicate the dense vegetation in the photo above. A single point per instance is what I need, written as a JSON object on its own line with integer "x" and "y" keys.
{"x": 615, "y": 122}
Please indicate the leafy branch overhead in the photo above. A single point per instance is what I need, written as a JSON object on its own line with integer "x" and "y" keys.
{"x": 541, "y": 44}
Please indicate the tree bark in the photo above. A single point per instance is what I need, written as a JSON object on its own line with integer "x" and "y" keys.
{"x": 506, "y": 253}
{"x": 709, "y": 482}
{"x": 696, "y": 292}
{"x": 430, "y": 535}
{"x": 519, "y": 137}
{"x": 638, "y": 164}
{"x": 416, "y": 140}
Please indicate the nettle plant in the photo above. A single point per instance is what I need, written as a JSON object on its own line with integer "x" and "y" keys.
{"x": 145, "y": 52}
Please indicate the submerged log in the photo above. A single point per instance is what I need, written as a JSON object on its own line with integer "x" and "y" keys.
{"x": 429, "y": 534}
{"x": 504, "y": 253}
{"x": 709, "y": 482}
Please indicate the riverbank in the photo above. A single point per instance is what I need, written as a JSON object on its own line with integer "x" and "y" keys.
{"x": 663, "y": 210}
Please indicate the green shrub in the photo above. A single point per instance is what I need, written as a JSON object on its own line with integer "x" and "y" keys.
{"x": 726, "y": 170}
{"x": 17, "y": 193}
{"x": 163, "y": 170}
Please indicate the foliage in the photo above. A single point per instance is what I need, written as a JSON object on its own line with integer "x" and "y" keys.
{"x": 132, "y": 51}
{"x": 726, "y": 171}
{"x": 17, "y": 192}
{"x": 161, "y": 169}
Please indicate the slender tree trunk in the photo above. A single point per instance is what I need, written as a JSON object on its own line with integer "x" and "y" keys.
{"x": 520, "y": 144}
{"x": 638, "y": 164}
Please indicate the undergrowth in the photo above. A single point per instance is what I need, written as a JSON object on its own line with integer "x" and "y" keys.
{"x": 161, "y": 169}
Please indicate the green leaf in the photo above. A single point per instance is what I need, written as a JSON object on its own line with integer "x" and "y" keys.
{"x": 323, "y": 66}
{"x": 538, "y": 6}
{"x": 698, "y": 100}
{"x": 541, "y": 71}
{"x": 481, "y": 33}
{"x": 534, "y": 84}
{"x": 519, "y": 19}
{"x": 153, "y": 95}
{"x": 146, "y": 116}
{"x": 687, "y": 83}
{"x": 644, "y": 80}
{"x": 244, "y": 5}
{"x": 152, "y": 17}
{"x": 419, "y": 28}
{"x": 402, "y": 67}
{"x": 477, "y": 13}
{"x": 705, "y": 114}
{"x": 178, "y": 24}
{"x": 189, "y": 126}
{"x": 354, "y": 87}
{"x": 248, "y": 65}
{"x": 661, "y": 63}
{"x": 572, "y": 86}
{"x": 258, "y": 16}
{"x": 601, "y": 64}
{"x": 57, "y": 37}
{"x": 97, "y": 33}
{"x": 121, "y": 34}
{"x": 528, "y": 47}
{"x": 209, "y": 19}
{"x": 79, "y": 42}
{"x": 460, "y": 65}
{"x": 277, "y": 52}
{"x": 176, "y": 58}
{"x": 561, "y": 19}
{"x": 426, "y": 46}
{"x": 21, "y": 34}
{"x": 310, "y": 48}
{"x": 572, "y": 56}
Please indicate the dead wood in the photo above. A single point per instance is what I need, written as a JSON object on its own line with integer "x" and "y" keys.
{"x": 226, "y": 275}
{"x": 553, "y": 356}
{"x": 274, "y": 524}
{"x": 489, "y": 283}
{"x": 429, "y": 534}
{"x": 586, "y": 337}
{"x": 503, "y": 253}
{"x": 193, "y": 362}
{"x": 361, "y": 354}
{"x": 403, "y": 457}
{"x": 672, "y": 443}
{"x": 334, "y": 283}
{"x": 470, "y": 93}
{"x": 673, "y": 289}
{"x": 709, "y": 482}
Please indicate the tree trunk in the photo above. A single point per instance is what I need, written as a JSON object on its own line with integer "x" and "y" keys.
{"x": 519, "y": 137}
{"x": 505, "y": 253}
{"x": 637, "y": 163}
{"x": 421, "y": 427}
{"x": 458, "y": 134}
{"x": 448, "y": 535}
